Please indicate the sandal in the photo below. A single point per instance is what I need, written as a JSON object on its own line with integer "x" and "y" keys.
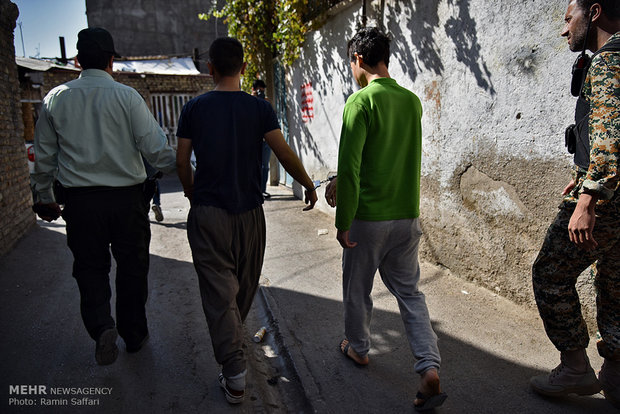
{"x": 429, "y": 401}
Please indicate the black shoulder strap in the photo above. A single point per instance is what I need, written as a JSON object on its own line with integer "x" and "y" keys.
{"x": 613, "y": 46}
{"x": 582, "y": 109}
{"x": 582, "y": 65}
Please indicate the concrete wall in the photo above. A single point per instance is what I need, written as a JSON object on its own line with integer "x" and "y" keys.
{"x": 494, "y": 84}
{"x": 155, "y": 27}
{"x": 15, "y": 198}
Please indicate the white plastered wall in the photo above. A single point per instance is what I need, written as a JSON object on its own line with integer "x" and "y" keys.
{"x": 494, "y": 81}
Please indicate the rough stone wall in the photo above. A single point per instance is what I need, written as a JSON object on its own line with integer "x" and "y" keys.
{"x": 156, "y": 27}
{"x": 495, "y": 93}
{"x": 15, "y": 197}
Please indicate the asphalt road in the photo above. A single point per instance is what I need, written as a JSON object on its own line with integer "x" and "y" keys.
{"x": 490, "y": 346}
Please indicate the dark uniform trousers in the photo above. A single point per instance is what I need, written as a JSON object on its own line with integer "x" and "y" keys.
{"x": 555, "y": 273}
{"x": 100, "y": 218}
{"x": 228, "y": 252}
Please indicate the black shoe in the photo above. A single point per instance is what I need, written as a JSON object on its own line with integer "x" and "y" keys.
{"x": 159, "y": 216}
{"x": 266, "y": 195}
{"x": 133, "y": 348}
{"x": 106, "y": 350}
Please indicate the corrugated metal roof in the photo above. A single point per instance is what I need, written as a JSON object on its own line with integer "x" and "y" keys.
{"x": 170, "y": 66}
{"x": 162, "y": 66}
{"x": 42, "y": 65}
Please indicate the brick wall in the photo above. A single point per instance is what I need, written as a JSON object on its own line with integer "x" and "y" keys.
{"x": 194, "y": 84}
{"x": 191, "y": 84}
{"x": 16, "y": 216}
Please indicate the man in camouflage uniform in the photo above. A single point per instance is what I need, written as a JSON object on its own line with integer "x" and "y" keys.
{"x": 587, "y": 227}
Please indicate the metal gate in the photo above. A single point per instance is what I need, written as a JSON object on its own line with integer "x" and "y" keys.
{"x": 166, "y": 108}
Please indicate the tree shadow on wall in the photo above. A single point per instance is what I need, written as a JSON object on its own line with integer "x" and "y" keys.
{"x": 421, "y": 18}
{"x": 462, "y": 31}
{"x": 415, "y": 49}
{"x": 321, "y": 60}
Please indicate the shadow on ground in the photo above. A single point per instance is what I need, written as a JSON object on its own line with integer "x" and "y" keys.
{"x": 476, "y": 381}
{"x": 44, "y": 343}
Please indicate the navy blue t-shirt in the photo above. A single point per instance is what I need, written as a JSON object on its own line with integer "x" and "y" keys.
{"x": 227, "y": 130}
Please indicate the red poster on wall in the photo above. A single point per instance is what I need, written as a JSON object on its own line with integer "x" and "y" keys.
{"x": 307, "y": 102}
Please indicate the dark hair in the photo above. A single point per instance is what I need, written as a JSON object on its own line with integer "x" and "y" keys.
{"x": 94, "y": 59}
{"x": 372, "y": 44}
{"x": 226, "y": 56}
{"x": 258, "y": 83}
{"x": 611, "y": 8}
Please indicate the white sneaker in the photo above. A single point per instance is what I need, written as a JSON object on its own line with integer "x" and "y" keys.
{"x": 232, "y": 396}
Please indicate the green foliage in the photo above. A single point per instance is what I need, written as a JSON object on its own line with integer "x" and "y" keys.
{"x": 266, "y": 28}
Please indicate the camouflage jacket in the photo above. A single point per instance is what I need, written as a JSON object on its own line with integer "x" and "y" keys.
{"x": 602, "y": 90}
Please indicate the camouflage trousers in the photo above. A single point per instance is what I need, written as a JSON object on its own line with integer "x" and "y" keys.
{"x": 555, "y": 272}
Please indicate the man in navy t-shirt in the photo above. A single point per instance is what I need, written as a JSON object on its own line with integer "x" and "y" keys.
{"x": 226, "y": 224}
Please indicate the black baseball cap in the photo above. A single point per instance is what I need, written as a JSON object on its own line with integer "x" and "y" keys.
{"x": 96, "y": 39}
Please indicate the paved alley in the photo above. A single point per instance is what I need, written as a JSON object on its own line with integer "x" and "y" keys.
{"x": 490, "y": 346}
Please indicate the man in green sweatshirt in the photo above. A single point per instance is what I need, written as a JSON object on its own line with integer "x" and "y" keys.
{"x": 378, "y": 195}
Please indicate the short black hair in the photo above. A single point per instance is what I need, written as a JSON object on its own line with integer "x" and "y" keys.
{"x": 611, "y": 8}
{"x": 372, "y": 44}
{"x": 258, "y": 83}
{"x": 226, "y": 56}
{"x": 94, "y": 59}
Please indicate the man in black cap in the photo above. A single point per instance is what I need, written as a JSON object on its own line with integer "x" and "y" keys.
{"x": 91, "y": 135}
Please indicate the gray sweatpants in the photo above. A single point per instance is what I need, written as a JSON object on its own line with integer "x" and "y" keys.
{"x": 228, "y": 252}
{"x": 392, "y": 247}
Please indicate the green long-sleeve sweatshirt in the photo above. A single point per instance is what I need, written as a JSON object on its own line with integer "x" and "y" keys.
{"x": 380, "y": 155}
